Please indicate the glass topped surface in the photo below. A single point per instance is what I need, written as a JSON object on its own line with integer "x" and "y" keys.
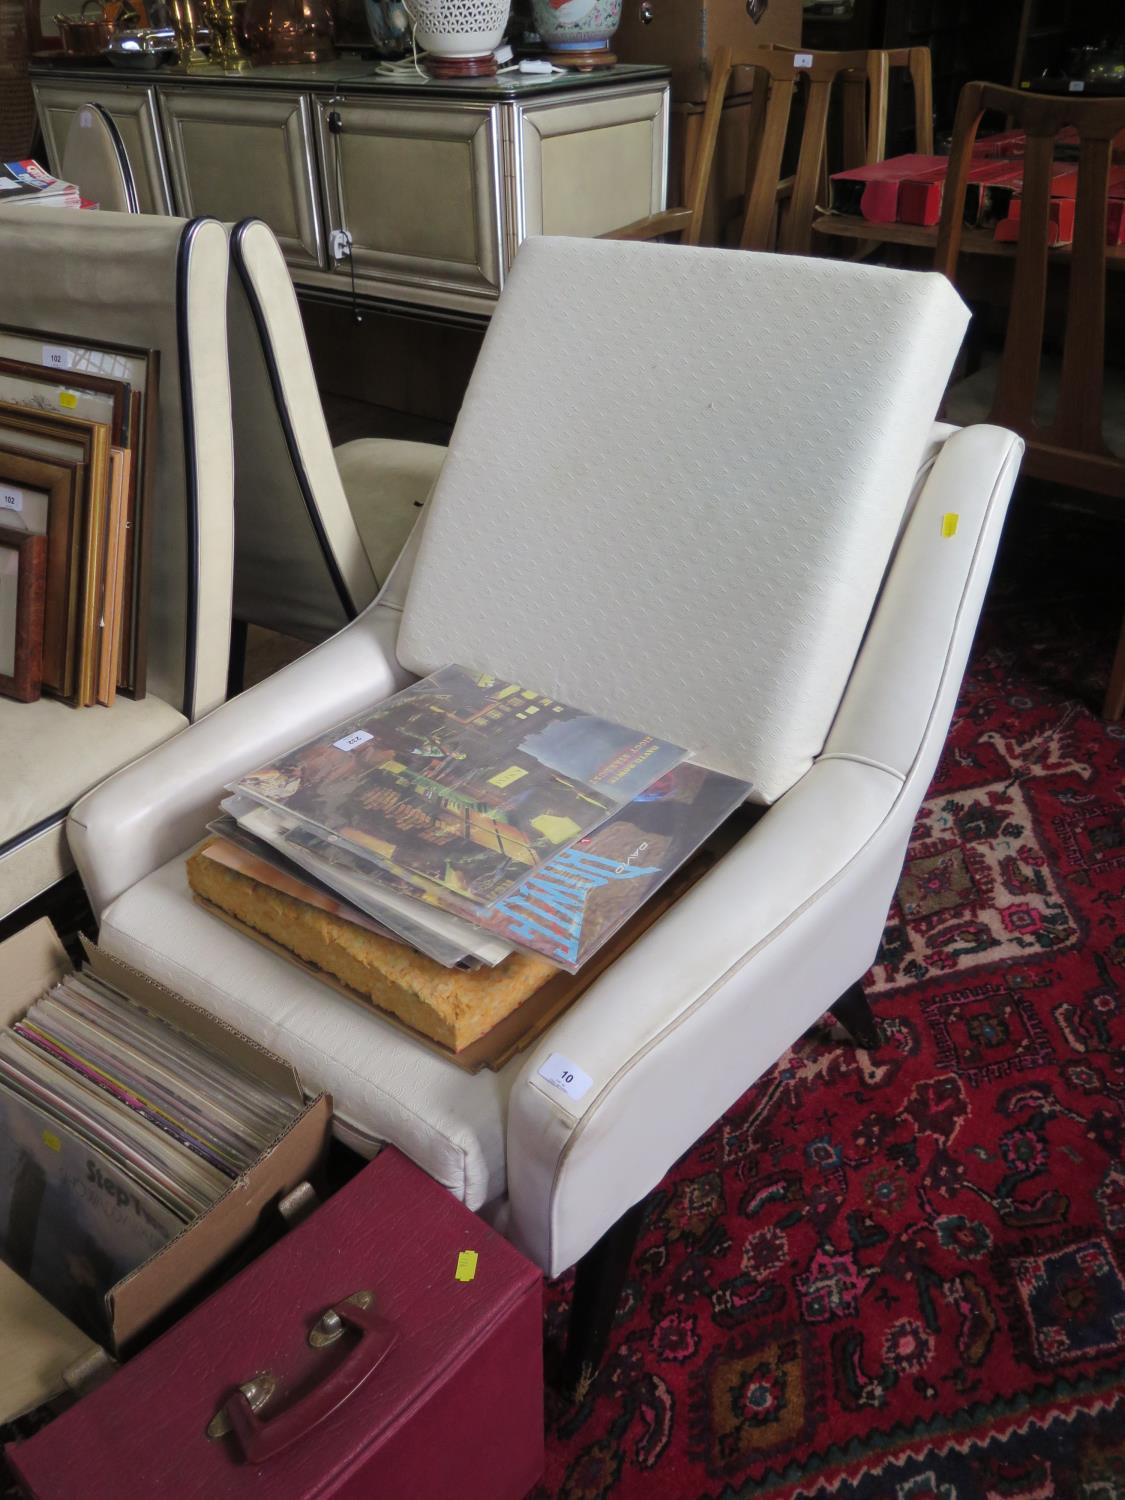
{"x": 357, "y": 74}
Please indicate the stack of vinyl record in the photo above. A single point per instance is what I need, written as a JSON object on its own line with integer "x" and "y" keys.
{"x": 116, "y": 1129}
{"x": 468, "y": 819}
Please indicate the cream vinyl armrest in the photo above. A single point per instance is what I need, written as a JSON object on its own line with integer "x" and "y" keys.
{"x": 144, "y": 815}
{"x": 709, "y": 998}
{"x": 712, "y": 995}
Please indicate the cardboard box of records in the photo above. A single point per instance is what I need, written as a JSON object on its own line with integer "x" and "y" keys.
{"x": 101, "y": 1234}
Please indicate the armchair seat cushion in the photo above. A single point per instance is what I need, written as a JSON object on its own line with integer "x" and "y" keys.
{"x": 387, "y": 481}
{"x": 385, "y": 1087}
{"x": 51, "y": 755}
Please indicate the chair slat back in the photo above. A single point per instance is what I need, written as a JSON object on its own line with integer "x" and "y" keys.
{"x": 917, "y": 62}
{"x": 863, "y": 78}
{"x": 1072, "y": 447}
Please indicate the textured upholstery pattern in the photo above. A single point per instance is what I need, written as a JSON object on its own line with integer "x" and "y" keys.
{"x": 595, "y": 530}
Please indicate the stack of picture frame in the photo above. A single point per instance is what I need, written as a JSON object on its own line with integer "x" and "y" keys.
{"x": 77, "y": 446}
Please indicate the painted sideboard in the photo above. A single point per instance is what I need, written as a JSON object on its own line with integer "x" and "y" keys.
{"x": 436, "y": 183}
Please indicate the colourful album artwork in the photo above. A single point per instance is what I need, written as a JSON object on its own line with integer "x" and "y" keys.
{"x": 465, "y": 779}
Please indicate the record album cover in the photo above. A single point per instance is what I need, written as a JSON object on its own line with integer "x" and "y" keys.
{"x": 465, "y": 779}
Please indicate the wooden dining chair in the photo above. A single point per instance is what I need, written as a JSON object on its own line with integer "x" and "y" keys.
{"x": 777, "y": 211}
{"x": 1066, "y": 446}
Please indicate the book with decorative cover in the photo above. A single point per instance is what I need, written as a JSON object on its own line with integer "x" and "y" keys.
{"x": 463, "y": 778}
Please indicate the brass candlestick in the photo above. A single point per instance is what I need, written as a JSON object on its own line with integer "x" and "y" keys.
{"x": 225, "y": 46}
{"x": 187, "y": 47}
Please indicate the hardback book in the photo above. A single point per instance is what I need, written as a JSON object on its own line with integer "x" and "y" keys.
{"x": 465, "y": 779}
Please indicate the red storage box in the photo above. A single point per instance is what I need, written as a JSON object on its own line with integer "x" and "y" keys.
{"x": 873, "y": 191}
{"x": 390, "y": 1345}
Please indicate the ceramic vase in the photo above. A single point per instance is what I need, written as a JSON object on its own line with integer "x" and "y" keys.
{"x": 576, "y": 25}
{"x": 459, "y": 30}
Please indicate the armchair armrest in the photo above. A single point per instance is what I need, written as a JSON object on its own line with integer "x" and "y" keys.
{"x": 150, "y": 811}
{"x": 702, "y": 1004}
{"x": 699, "y": 1007}
{"x": 669, "y": 221}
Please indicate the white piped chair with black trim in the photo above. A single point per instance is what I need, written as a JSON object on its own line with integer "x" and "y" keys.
{"x": 151, "y": 283}
{"x": 704, "y": 492}
{"x": 95, "y": 158}
{"x": 318, "y": 529}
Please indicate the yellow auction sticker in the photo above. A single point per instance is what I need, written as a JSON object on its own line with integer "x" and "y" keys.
{"x": 466, "y": 1266}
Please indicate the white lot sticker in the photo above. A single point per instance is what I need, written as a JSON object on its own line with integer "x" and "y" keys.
{"x": 11, "y": 499}
{"x": 354, "y": 740}
{"x": 567, "y": 1076}
{"x": 802, "y": 59}
{"x": 55, "y": 357}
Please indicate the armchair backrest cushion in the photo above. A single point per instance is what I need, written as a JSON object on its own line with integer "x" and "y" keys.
{"x": 300, "y": 563}
{"x": 675, "y": 484}
{"x": 152, "y": 283}
{"x": 95, "y": 158}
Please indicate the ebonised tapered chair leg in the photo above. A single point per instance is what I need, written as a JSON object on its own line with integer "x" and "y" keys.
{"x": 598, "y": 1281}
{"x": 236, "y": 669}
{"x": 854, "y": 1015}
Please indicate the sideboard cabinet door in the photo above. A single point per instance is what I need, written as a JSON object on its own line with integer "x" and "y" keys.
{"x": 589, "y": 165}
{"x": 417, "y": 186}
{"x": 241, "y": 153}
{"x": 132, "y": 108}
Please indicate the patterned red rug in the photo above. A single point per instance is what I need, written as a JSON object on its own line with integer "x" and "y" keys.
{"x": 901, "y": 1275}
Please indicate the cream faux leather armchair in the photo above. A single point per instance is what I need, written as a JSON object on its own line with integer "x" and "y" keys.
{"x": 317, "y": 530}
{"x": 702, "y": 491}
{"x": 152, "y": 283}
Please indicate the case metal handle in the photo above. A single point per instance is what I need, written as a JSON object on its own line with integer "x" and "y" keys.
{"x": 260, "y": 1437}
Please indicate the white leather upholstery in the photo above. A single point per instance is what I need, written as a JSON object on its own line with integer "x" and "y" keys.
{"x": 95, "y": 158}
{"x": 680, "y": 1025}
{"x": 458, "y": 1134}
{"x": 152, "y": 283}
{"x": 694, "y": 465}
{"x": 712, "y": 995}
{"x": 314, "y": 540}
{"x": 387, "y": 482}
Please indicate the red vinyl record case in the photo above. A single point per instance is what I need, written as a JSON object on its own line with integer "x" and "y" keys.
{"x": 397, "y": 1343}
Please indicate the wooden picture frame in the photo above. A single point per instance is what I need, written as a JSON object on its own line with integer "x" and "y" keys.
{"x": 77, "y": 383}
{"x": 57, "y": 485}
{"x": 139, "y": 368}
{"x": 94, "y": 438}
{"x": 23, "y": 568}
